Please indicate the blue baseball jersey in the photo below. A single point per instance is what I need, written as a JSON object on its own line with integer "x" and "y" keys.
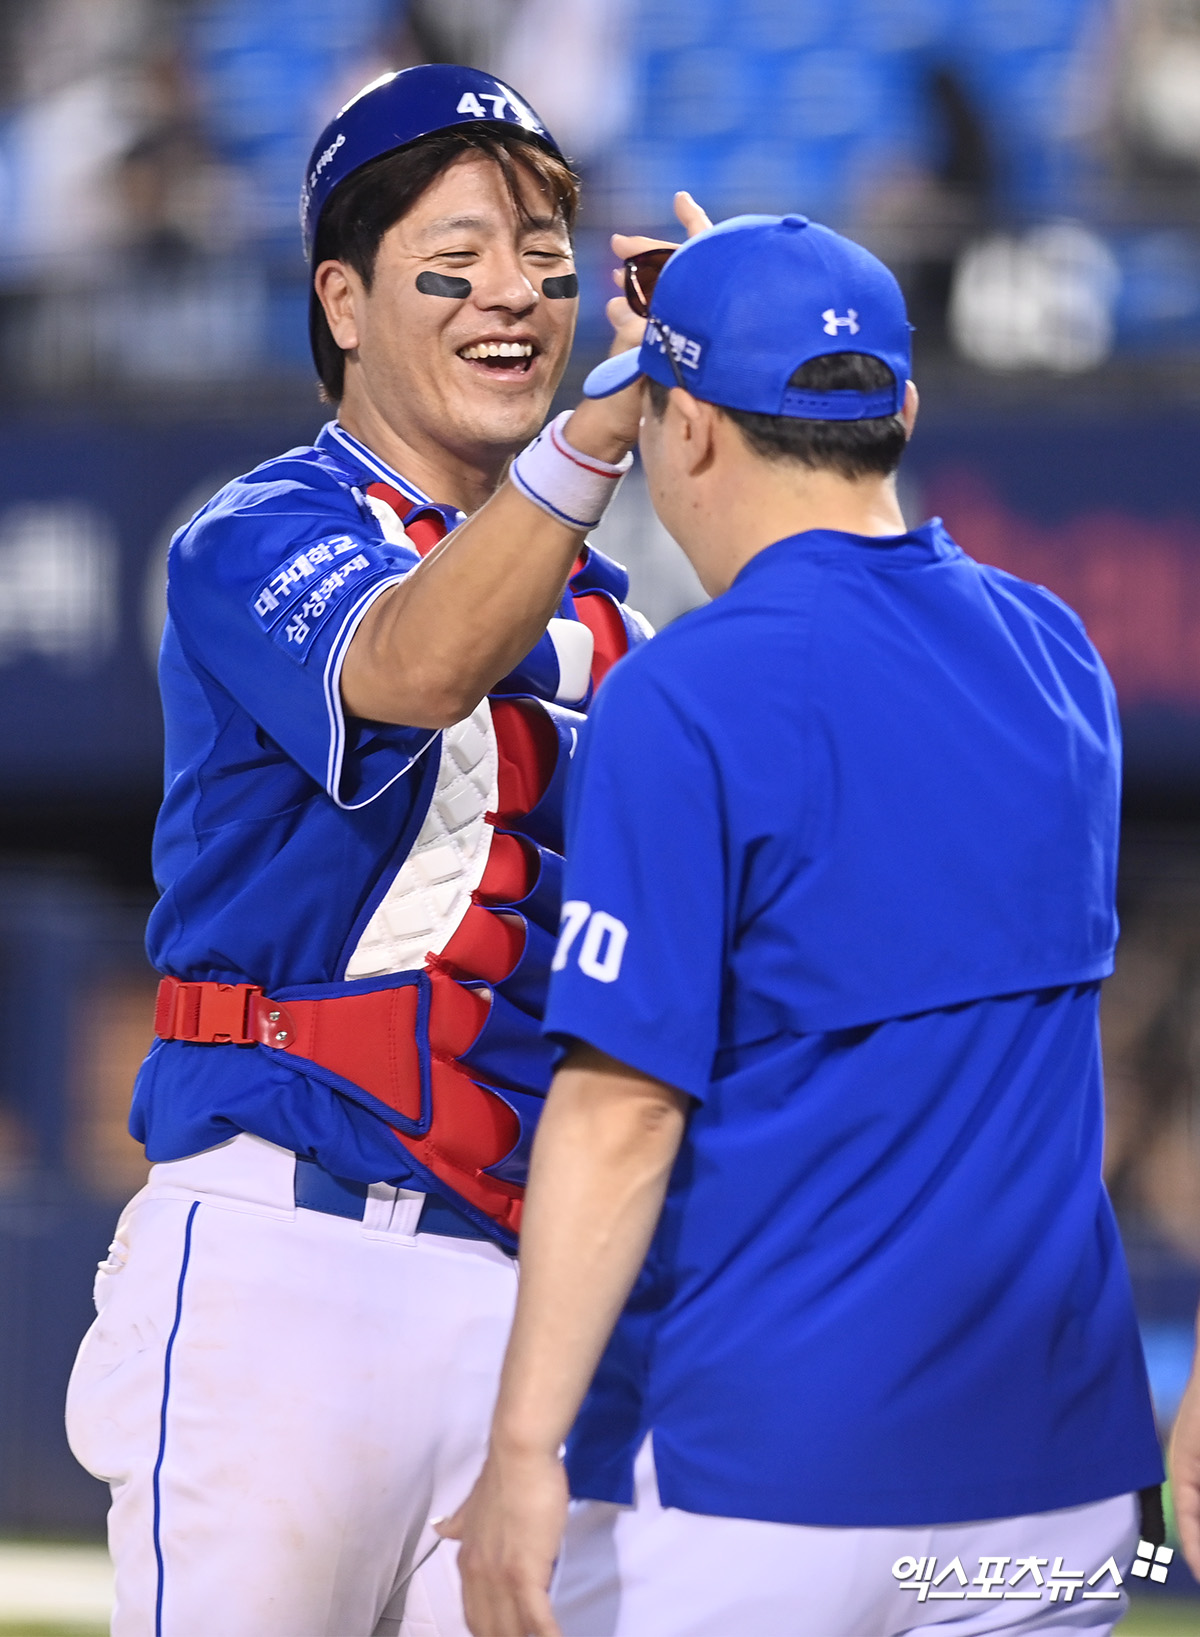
{"x": 841, "y": 868}
{"x": 319, "y": 856}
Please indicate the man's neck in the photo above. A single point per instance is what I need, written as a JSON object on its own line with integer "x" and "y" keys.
{"x": 759, "y": 507}
{"x": 445, "y": 475}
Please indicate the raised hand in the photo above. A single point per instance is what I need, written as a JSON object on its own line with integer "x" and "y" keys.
{"x": 691, "y": 218}
{"x": 607, "y": 427}
{"x": 627, "y": 326}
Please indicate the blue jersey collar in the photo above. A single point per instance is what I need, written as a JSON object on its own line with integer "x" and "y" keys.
{"x": 922, "y": 544}
{"x": 335, "y": 439}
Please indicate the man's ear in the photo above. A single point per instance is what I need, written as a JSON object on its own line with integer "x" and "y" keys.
{"x": 908, "y": 412}
{"x": 697, "y": 428}
{"x": 337, "y": 287}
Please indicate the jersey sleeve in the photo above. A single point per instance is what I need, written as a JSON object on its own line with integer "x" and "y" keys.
{"x": 266, "y": 597}
{"x": 638, "y": 968}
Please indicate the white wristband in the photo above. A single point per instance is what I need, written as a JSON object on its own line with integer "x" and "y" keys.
{"x": 572, "y": 487}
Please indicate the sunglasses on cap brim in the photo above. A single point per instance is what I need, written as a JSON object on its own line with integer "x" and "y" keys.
{"x": 641, "y": 275}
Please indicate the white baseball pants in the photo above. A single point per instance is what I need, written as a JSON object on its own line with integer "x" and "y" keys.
{"x": 281, "y": 1400}
{"x": 652, "y": 1571}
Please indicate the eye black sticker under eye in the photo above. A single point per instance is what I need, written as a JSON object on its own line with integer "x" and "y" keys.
{"x": 561, "y": 288}
{"x": 441, "y": 284}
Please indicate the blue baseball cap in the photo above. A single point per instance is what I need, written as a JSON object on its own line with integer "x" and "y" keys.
{"x": 400, "y": 108}
{"x": 744, "y": 304}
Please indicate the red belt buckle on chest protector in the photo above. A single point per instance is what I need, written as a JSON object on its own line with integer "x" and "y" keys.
{"x": 209, "y": 1013}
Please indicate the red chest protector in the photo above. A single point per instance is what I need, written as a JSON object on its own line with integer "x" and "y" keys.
{"x": 451, "y": 1056}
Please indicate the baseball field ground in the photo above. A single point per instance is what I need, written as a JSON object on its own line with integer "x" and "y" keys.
{"x": 1154, "y": 1619}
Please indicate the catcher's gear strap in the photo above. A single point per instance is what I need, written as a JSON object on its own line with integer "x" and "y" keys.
{"x": 236, "y": 1014}
{"x": 395, "y": 1048}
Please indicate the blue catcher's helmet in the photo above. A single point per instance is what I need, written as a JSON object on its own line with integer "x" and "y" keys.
{"x": 399, "y": 108}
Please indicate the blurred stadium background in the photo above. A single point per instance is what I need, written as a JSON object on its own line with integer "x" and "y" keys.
{"x": 1031, "y": 168}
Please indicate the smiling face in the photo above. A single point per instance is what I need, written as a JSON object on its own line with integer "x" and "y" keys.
{"x": 454, "y": 346}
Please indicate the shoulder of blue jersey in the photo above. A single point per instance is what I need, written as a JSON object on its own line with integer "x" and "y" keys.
{"x": 286, "y": 503}
{"x": 1039, "y": 600}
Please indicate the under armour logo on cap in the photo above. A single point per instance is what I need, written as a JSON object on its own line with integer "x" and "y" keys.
{"x": 833, "y": 323}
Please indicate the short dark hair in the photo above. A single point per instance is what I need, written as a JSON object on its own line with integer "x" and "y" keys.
{"x": 374, "y": 198}
{"x": 852, "y": 449}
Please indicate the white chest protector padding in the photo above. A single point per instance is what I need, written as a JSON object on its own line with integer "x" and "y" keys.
{"x": 431, "y": 891}
{"x": 385, "y": 516}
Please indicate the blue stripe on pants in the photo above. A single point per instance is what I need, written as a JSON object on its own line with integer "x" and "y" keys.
{"x": 162, "y": 1434}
